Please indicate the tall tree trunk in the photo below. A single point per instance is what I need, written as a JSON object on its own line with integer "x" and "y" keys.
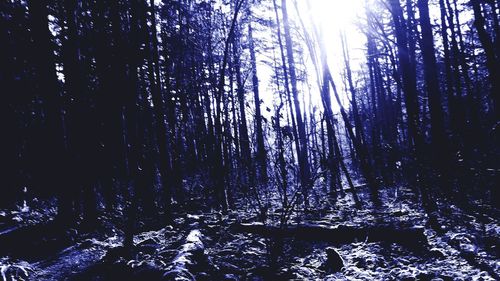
{"x": 305, "y": 173}
{"x": 244, "y": 139}
{"x": 410, "y": 91}
{"x": 286, "y": 78}
{"x": 159, "y": 107}
{"x": 492, "y": 59}
{"x": 261, "y": 149}
{"x": 447, "y": 65}
{"x": 355, "y": 110}
{"x": 219, "y": 165}
{"x": 53, "y": 146}
{"x": 431, "y": 79}
{"x": 81, "y": 140}
{"x": 408, "y": 76}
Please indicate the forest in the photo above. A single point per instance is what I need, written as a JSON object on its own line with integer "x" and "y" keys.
{"x": 250, "y": 140}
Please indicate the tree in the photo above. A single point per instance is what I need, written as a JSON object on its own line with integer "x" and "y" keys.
{"x": 492, "y": 56}
{"x": 431, "y": 79}
{"x": 302, "y": 149}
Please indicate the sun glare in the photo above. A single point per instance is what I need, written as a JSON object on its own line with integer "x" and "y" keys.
{"x": 336, "y": 14}
{"x": 333, "y": 17}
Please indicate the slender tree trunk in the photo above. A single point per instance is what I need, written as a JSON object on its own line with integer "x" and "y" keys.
{"x": 410, "y": 91}
{"x": 305, "y": 173}
{"x": 244, "y": 139}
{"x": 355, "y": 110}
{"x": 447, "y": 65}
{"x": 286, "y": 79}
{"x": 159, "y": 107}
{"x": 492, "y": 60}
{"x": 261, "y": 149}
{"x": 219, "y": 165}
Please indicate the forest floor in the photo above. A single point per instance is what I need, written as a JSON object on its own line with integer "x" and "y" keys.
{"x": 210, "y": 246}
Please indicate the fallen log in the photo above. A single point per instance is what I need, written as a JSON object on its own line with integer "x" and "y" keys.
{"x": 189, "y": 256}
{"x": 412, "y": 237}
